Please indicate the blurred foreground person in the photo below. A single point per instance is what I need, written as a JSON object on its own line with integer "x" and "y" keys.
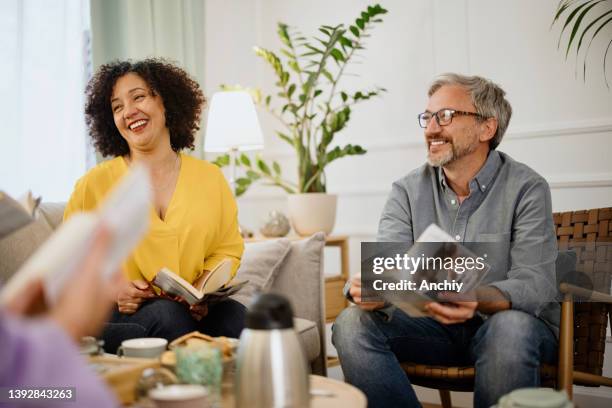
{"x": 38, "y": 345}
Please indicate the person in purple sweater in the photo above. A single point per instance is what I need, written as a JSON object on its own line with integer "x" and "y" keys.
{"x": 38, "y": 344}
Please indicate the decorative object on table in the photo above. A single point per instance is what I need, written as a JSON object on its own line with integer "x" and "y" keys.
{"x": 312, "y": 109}
{"x": 154, "y": 378}
{"x": 246, "y": 232}
{"x": 585, "y": 20}
{"x": 535, "y": 398}
{"x": 271, "y": 367}
{"x": 181, "y": 396}
{"x": 91, "y": 346}
{"x": 312, "y": 212}
{"x": 226, "y": 345}
{"x": 232, "y": 127}
{"x": 202, "y": 365}
{"x": 121, "y": 373}
{"x": 276, "y": 225}
{"x": 144, "y": 347}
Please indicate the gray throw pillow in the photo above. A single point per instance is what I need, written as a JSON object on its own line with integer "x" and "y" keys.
{"x": 260, "y": 264}
{"x": 301, "y": 277}
{"x": 17, "y": 247}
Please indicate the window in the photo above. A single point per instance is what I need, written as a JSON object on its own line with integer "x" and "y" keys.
{"x": 45, "y": 53}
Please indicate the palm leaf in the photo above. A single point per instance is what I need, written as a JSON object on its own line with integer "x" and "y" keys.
{"x": 579, "y": 17}
{"x": 604, "y": 64}
{"x": 605, "y": 23}
{"x": 577, "y": 25}
{"x": 569, "y": 19}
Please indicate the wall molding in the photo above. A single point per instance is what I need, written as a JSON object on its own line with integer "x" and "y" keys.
{"x": 558, "y": 129}
{"x": 556, "y": 182}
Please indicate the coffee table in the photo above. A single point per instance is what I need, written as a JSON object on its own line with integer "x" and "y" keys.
{"x": 328, "y": 393}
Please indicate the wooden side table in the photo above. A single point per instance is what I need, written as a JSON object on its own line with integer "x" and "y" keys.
{"x": 335, "y": 301}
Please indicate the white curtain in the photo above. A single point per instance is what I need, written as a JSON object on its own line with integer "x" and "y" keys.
{"x": 44, "y": 48}
{"x": 137, "y": 29}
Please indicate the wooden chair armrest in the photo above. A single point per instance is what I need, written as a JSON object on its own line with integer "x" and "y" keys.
{"x": 591, "y": 295}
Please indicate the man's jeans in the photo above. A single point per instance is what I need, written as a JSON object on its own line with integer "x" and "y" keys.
{"x": 506, "y": 349}
{"x": 168, "y": 319}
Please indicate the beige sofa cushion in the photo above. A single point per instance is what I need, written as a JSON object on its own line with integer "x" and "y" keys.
{"x": 17, "y": 247}
{"x": 261, "y": 262}
{"x": 309, "y": 336}
{"x": 300, "y": 276}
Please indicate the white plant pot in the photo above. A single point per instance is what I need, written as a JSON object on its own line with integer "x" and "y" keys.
{"x": 312, "y": 212}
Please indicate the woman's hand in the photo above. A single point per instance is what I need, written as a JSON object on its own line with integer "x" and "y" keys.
{"x": 133, "y": 294}
{"x": 199, "y": 311}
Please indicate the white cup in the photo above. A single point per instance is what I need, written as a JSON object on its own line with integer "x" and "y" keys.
{"x": 146, "y": 347}
{"x": 534, "y": 398}
{"x": 180, "y": 396}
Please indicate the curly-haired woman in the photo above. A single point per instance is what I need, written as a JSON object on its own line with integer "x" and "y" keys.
{"x": 147, "y": 112}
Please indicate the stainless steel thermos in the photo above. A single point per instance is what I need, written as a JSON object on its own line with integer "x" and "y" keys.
{"x": 271, "y": 367}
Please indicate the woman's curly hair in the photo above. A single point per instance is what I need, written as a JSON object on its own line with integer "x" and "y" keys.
{"x": 182, "y": 98}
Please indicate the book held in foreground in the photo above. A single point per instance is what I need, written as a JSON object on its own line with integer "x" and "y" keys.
{"x": 124, "y": 212}
{"x": 15, "y": 214}
{"x": 211, "y": 288}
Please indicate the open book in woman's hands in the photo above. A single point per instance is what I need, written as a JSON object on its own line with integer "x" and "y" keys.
{"x": 211, "y": 288}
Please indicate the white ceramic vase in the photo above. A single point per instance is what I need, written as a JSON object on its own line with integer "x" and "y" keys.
{"x": 312, "y": 212}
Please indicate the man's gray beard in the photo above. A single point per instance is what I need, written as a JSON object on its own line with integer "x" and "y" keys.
{"x": 456, "y": 152}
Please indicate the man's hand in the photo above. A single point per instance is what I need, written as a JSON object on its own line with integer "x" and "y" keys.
{"x": 133, "y": 294}
{"x": 199, "y": 311}
{"x": 454, "y": 310}
{"x": 355, "y": 292}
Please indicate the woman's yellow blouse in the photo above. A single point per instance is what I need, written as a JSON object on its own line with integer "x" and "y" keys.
{"x": 200, "y": 226}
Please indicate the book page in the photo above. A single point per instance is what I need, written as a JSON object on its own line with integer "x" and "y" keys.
{"x": 218, "y": 277}
{"x": 173, "y": 284}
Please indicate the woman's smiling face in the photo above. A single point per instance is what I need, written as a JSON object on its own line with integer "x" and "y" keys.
{"x": 138, "y": 112}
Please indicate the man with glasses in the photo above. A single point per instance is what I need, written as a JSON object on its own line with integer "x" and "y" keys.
{"x": 476, "y": 194}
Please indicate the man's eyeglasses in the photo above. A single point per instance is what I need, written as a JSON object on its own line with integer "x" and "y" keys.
{"x": 444, "y": 116}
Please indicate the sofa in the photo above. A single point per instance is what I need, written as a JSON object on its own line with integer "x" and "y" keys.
{"x": 290, "y": 267}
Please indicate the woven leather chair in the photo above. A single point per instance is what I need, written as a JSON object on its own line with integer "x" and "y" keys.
{"x": 582, "y": 333}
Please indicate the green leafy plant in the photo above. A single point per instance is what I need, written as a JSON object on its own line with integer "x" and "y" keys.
{"x": 309, "y": 105}
{"x": 584, "y": 19}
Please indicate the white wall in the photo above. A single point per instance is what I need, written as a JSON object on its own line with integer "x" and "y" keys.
{"x": 561, "y": 126}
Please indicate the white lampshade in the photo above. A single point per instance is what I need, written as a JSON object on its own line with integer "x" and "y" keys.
{"x": 232, "y": 123}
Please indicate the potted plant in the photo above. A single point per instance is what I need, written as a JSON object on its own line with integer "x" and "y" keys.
{"x": 312, "y": 111}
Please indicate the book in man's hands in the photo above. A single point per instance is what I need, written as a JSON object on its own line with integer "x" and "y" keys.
{"x": 437, "y": 264}
{"x": 15, "y": 214}
{"x": 212, "y": 288}
{"x": 125, "y": 212}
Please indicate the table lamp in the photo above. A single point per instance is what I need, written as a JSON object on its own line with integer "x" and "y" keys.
{"x": 232, "y": 126}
